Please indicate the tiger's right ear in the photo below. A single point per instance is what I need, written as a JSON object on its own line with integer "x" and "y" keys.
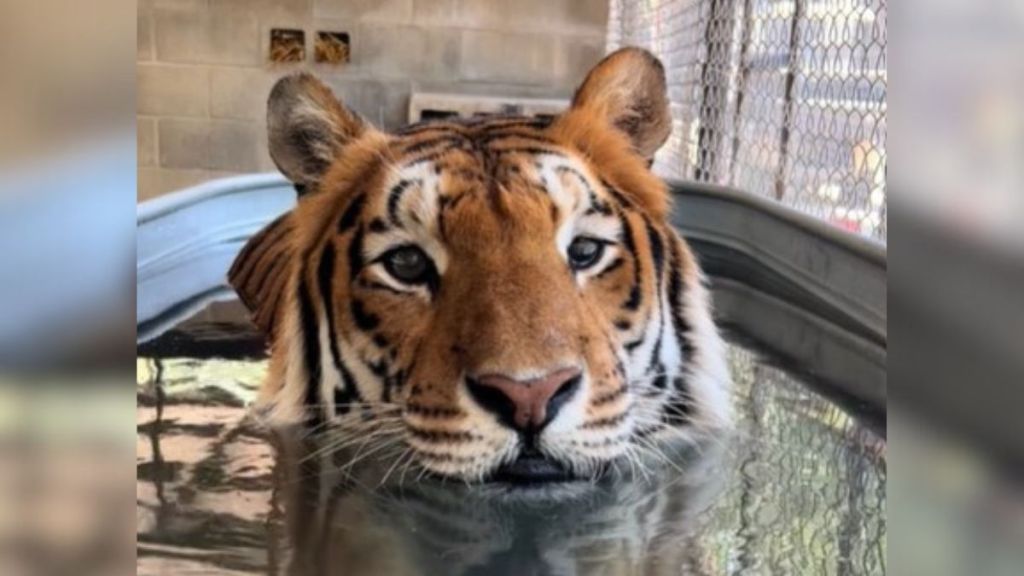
{"x": 260, "y": 272}
{"x": 307, "y": 127}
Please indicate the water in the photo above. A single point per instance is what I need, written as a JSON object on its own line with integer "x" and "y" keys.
{"x": 798, "y": 489}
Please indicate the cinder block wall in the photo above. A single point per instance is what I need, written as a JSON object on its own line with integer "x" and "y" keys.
{"x": 204, "y": 72}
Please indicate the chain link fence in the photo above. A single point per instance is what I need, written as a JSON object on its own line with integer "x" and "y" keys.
{"x": 808, "y": 470}
{"x": 784, "y": 98}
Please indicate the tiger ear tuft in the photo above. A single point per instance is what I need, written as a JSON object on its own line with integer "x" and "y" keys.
{"x": 307, "y": 127}
{"x": 628, "y": 90}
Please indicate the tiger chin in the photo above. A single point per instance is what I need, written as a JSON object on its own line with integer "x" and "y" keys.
{"x": 497, "y": 298}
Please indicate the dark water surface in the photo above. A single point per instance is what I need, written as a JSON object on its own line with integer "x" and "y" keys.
{"x": 798, "y": 489}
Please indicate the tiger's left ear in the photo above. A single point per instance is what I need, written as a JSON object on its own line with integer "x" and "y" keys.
{"x": 308, "y": 127}
{"x": 627, "y": 89}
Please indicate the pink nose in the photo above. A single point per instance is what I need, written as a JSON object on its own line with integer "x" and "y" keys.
{"x": 525, "y": 405}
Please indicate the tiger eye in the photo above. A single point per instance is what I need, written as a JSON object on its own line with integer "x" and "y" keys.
{"x": 408, "y": 264}
{"x": 584, "y": 252}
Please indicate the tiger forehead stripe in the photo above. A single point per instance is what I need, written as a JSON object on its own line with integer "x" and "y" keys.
{"x": 395, "y": 198}
{"x": 551, "y": 168}
{"x": 433, "y": 140}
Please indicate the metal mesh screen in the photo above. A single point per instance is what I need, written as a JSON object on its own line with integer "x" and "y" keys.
{"x": 784, "y": 98}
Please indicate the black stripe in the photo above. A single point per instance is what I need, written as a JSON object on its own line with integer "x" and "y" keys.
{"x": 657, "y": 248}
{"x": 603, "y": 443}
{"x": 349, "y": 393}
{"x": 619, "y": 197}
{"x": 527, "y": 150}
{"x": 391, "y": 383}
{"x": 596, "y": 205}
{"x": 253, "y": 242}
{"x": 656, "y": 351}
{"x": 428, "y": 125}
{"x": 678, "y": 410}
{"x": 660, "y": 381}
{"x": 271, "y": 310}
{"x": 675, "y": 302}
{"x": 270, "y": 273}
{"x": 443, "y": 435}
{"x": 355, "y": 254}
{"x": 617, "y": 263}
{"x": 448, "y": 141}
{"x": 432, "y": 412}
{"x": 379, "y": 369}
{"x": 311, "y": 353}
{"x": 629, "y": 243}
{"x": 658, "y": 256}
{"x": 379, "y": 226}
{"x": 344, "y": 397}
{"x": 365, "y": 321}
{"x": 630, "y": 346}
{"x": 579, "y": 176}
{"x": 434, "y": 155}
{"x": 635, "y": 297}
{"x": 395, "y": 199}
{"x": 604, "y": 422}
{"x": 501, "y": 123}
{"x": 259, "y": 263}
{"x": 246, "y": 262}
{"x": 351, "y": 215}
{"x": 325, "y": 279}
{"x": 447, "y": 458}
{"x": 609, "y": 397}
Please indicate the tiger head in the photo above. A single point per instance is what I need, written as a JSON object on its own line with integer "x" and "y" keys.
{"x": 500, "y": 297}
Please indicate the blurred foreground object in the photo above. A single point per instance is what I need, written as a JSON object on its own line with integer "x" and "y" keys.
{"x": 67, "y": 179}
{"x": 957, "y": 289}
{"x": 67, "y": 251}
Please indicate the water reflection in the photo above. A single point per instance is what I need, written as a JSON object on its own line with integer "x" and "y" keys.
{"x": 799, "y": 489}
{"x": 373, "y": 522}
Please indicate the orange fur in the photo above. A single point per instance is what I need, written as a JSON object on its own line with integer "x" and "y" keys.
{"x": 491, "y": 203}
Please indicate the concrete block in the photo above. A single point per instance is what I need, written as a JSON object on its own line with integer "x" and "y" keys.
{"x": 145, "y": 141}
{"x": 144, "y": 31}
{"x": 391, "y": 11}
{"x": 154, "y": 182}
{"x": 210, "y": 36}
{"x": 406, "y": 52}
{"x": 385, "y": 103}
{"x": 589, "y": 16}
{"x": 438, "y": 13}
{"x": 213, "y": 145}
{"x": 241, "y": 93}
{"x": 561, "y": 16}
{"x": 576, "y": 56}
{"x": 508, "y": 57}
{"x": 263, "y": 161}
{"x": 147, "y": 184}
{"x": 277, "y": 12}
{"x": 182, "y": 4}
{"x": 171, "y": 90}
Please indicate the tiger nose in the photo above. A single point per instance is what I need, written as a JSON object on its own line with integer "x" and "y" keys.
{"x": 525, "y": 405}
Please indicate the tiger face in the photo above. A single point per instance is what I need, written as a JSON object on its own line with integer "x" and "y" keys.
{"x": 500, "y": 298}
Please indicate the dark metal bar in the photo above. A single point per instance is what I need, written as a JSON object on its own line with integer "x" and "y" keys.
{"x": 743, "y": 73}
{"x": 714, "y": 92}
{"x": 787, "y": 115}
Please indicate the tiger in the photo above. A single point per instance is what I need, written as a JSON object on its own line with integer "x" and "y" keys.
{"x": 502, "y": 298}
